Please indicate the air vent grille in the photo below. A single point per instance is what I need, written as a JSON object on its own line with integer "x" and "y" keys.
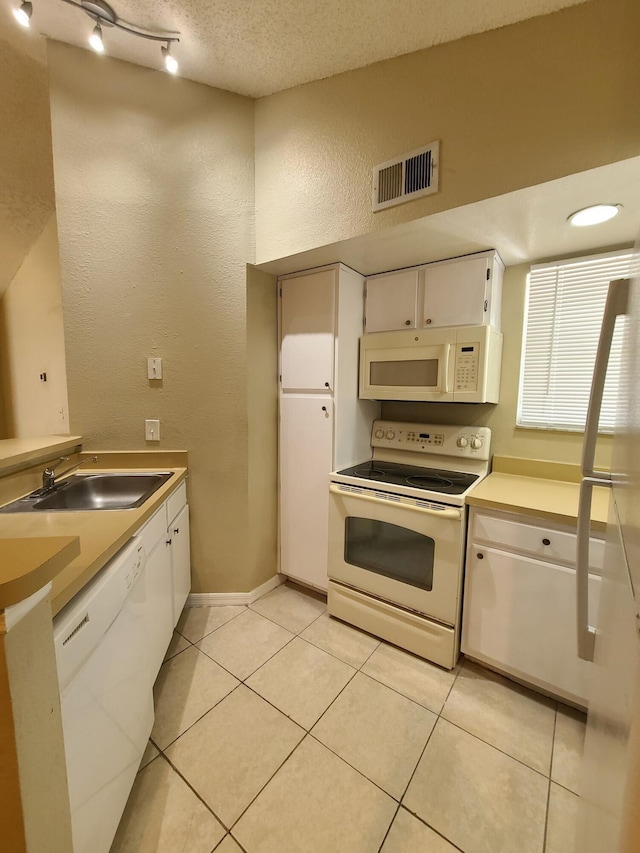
{"x": 84, "y": 621}
{"x": 404, "y": 178}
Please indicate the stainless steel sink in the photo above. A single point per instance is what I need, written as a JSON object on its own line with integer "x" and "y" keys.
{"x": 92, "y": 491}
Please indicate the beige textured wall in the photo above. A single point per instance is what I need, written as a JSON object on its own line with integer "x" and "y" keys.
{"x": 262, "y": 410}
{"x": 32, "y": 342}
{"x": 26, "y": 171}
{"x": 513, "y": 107}
{"x": 154, "y": 194}
{"x": 506, "y": 438}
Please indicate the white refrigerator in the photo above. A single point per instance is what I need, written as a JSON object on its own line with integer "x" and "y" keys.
{"x": 610, "y": 810}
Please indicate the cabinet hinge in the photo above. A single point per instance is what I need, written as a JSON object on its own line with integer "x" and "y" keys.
{"x": 488, "y": 275}
{"x": 486, "y": 304}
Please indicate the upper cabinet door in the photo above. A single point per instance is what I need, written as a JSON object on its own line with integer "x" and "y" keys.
{"x": 308, "y": 329}
{"x": 391, "y": 301}
{"x": 456, "y": 293}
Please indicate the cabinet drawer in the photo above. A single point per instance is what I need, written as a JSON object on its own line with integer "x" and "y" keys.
{"x": 176, "y": 501}
{"x": 546, "y": 543}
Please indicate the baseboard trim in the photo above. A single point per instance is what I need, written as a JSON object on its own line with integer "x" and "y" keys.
{"x": 219, "y": 599}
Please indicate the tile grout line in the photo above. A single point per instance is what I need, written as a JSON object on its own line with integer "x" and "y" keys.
{"x": 195, "y": 642}
{"x": 546, "y": 814}
{"x": 393, "y": 819}
{"x": 493, "y": 746}
{"x": 276, "y": 771}
{"x": 194, "y": 791}
{"x": 433, "y": 829}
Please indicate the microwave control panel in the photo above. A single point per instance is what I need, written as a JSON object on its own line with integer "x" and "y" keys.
{"x": 466, "y": 369}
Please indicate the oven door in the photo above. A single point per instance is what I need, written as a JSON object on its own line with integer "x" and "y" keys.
{"x": 402, "y": 550}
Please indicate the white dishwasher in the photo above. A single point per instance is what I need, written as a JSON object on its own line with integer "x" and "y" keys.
{"x": 106, "y": 695}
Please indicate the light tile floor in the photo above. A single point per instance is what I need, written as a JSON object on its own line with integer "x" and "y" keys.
{"x": 281, "y": 730}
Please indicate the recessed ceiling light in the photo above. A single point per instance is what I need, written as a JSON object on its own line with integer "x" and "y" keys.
{"x": 594, "y": 215}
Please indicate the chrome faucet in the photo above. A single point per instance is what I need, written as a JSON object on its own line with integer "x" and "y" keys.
{"x": 49, "y": 476}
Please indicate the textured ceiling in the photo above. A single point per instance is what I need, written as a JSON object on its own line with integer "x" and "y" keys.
{"x": 257, "y": 47}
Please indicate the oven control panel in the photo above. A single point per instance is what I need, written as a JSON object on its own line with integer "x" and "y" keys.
{"x": 474, "y": 442}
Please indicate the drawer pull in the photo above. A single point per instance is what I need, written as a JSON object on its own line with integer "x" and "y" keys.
{"x": 168, "y": 542}
{"x": 480, "y": 555}
{"x": 546, "y": 541}
{"x": 176, "y": 530}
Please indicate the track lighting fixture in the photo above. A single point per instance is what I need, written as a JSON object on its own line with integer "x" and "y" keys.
{"x": 105, "y": 16}
{"x": 23, "y": 14}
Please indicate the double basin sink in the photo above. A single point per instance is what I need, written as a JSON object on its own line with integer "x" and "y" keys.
{"x": 90, "y": 492}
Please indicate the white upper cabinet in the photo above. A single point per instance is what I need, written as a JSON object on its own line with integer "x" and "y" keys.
{"x": 392, "y": 301}
{"x": 308, "y": 324}
{"x": 458, "y": 292}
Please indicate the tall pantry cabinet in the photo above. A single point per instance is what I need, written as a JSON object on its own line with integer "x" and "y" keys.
{"x": 323, "y": 424}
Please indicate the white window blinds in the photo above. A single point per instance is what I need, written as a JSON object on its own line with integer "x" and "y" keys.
{"x": 564, "y": 309}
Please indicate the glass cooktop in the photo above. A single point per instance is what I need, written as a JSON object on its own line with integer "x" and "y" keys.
{"x": 429, "y": 479}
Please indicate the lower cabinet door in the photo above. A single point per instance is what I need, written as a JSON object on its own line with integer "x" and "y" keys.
{"x": 159, "y": 603}
{"x": 519, "y": 616}
{"x": 180, "y": 561}
{"x": 306, "y": 460}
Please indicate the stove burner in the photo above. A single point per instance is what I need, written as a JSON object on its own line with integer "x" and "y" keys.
{"x": 371, "y": 473}
{"x": 412, "y": 476}
{"x": 436, "y": 482}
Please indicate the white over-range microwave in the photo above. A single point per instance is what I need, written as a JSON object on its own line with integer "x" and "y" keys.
{"x": 456, "y": 364}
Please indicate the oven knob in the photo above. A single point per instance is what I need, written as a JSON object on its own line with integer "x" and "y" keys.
{"x": 379, "y": 433}
{"x": 462, "y": 441}
{"x": 476, "y": 442}
{"x": 390, "y": 434}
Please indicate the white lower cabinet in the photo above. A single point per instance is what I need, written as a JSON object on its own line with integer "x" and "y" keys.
{"x": 168, "y": 572}
{"x": 519, "y": 607}
{"x": 306, "y": 433}
{"x": 180, "y": 561}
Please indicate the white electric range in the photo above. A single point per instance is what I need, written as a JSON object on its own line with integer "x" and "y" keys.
{"x": 397, "y": 525}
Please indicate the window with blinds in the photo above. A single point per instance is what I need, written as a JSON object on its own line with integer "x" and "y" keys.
{"x": 564, "y": 310}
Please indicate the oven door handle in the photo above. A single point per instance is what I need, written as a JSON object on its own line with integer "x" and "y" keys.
{"x": 449, "y": 513}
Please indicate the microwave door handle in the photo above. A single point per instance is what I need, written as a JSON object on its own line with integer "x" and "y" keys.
{"x": 616, "y": 304}
{"x": 449, "y": 513}
{"x": 447, "y": 355}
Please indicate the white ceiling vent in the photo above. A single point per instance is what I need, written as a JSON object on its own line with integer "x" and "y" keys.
{"x": 406, "y": 177}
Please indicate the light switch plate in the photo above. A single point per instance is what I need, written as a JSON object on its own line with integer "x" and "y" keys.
{"x": 154, "y": 368}
{"x": 152, "y": 430}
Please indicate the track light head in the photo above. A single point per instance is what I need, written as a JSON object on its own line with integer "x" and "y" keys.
{"x": 23, "y": 14}
{"x": 170, "y": 62}
{"x": 95, "y": 39}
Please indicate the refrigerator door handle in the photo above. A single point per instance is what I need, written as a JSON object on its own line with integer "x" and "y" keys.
{"x": 617, "y": 300}
{"x": 616, "y": 304}
{"x": 586, "y": 632}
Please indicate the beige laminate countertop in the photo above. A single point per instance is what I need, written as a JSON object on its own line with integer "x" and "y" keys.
{"x": 26, "y": 565}
{"x": 514, "y": 488}
{"x": 100, "y": 533}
